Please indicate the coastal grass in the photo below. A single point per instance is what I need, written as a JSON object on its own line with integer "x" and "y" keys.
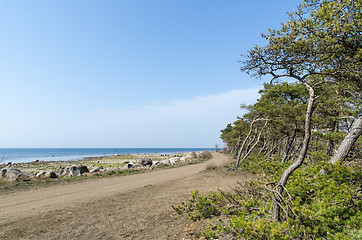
{"x": 7, "y": 187}
{"x": 111, "y": 164}
{"x": 318, "y": 206}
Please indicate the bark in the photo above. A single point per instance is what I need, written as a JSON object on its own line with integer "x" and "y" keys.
{"x": 349, "y": 140}
{"x": 252, "y": 141}
{"x": 256, "y": 143}
{"x": 247, "y": 137}
{"x": 264, "y": 146}
{"x": 244, "y": 142}
{"x": 331, "y": 143}
{"x": 273, "y": 146}
{"x": 289, "y": 145}
{"x": 237, "y": 147}
{"x": 283, "y": 145}
{"x": 288, "y": 172}
{"x": 296, "y": 149}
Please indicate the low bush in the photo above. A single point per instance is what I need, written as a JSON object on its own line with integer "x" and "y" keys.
{"x": 318, "y": 206}
{"x": 111, "y": 172}
{"x": 206, "y": 155}
{"x": 319, "y": 156}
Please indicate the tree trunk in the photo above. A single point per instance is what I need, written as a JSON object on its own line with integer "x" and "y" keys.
{"x": 295, "y": 151}
{"x": 349, "y": 140}
{"x": 285, "y": 145}
{"x": 264, "y": 146}
{"x": 286, "y": 174}
{"x": 330, "y": 144}
{"x": 273, "y": 146}
{"x": 251, "y": 142}
{"x": 246, "y": 139}
{"x": 289, "y": 145}
{"x": 256, "y": 143}
{"x": 236, "y": 149}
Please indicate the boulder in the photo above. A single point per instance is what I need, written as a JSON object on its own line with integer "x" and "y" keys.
{"x": 127, "y": 166}
{"x": 174, "y": 160}
{"x": 46, "y": 174}
{"x": 189, "y": 156}
{"x": 98, "y": 169}
{"x": 149, "y": 167}
{"x": 83, "y": 169}
{"x": 145, "y": 162}
{"x": 70, "y": 171}
{"x": 13, "y": 174}
{"x": 165, "y": 162}
{"x": 156, "y": 163}
{"x": 50, "y": 174}
{"x": 136, "y": 166}
{"x": 192, "y": 155}
{"x": 40, "y": 174}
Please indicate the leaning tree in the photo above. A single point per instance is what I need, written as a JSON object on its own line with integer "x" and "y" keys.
{"x": 320, "y": 44}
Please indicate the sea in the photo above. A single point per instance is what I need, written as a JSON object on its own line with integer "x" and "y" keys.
{"x": 23, "y": 155}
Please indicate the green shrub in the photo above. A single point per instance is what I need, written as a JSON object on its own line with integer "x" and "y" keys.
{"x": 200, "y": 207}
{"x": 318, "y": 156}
{"x": 322, "y": 206}
{"x": 206, "y": 155}
{"x": 111, "y": 172}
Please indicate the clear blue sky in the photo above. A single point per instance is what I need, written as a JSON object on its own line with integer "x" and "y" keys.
{"x": 135, "y": 73}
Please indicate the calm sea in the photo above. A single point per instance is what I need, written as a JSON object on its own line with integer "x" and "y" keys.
{"x": 20, "y": 155}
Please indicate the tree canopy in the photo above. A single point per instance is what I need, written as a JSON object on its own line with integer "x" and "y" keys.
{"x": 307, "y": 119}
{"x": 320, "y": 45}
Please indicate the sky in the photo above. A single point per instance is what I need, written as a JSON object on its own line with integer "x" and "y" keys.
{"x": 127, "y": 73}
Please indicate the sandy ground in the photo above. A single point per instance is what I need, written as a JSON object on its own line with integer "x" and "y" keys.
{"x": 126, "y": 207}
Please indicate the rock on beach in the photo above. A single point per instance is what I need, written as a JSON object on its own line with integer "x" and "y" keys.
{"x": 174, "y": 160}
{"x": 145, "y": 162}
{"x": 98, "y": 169}
{"x": 13, "y": 174}
{"x": 46, "y": 174}
{"x": 70, "y": 171}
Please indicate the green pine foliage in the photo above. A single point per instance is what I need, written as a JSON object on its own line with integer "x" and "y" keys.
{"x": 317, "y": 205}
{"x": 305, "y": 121}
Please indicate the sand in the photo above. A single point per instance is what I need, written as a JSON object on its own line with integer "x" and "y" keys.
{"x": 125, "y": 207}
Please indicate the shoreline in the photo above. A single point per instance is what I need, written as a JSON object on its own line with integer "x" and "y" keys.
{"x": 122, "y": 207}
{"x": 28, "y": 155}
{"x": 89, "y": 166}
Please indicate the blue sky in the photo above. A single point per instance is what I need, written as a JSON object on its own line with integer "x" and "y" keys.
{"x": 135, "y": 73}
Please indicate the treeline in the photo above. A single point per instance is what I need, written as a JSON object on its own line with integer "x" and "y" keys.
{"x": 274, "y": 125}
{"x": 301, "y": 136}
{"x": 320, "y": 50}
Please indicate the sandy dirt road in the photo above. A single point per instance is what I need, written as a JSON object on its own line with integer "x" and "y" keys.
{"x": 126, "y": 207}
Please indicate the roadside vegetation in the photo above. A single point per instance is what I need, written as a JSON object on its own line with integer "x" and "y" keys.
{"x": 112, "y": 166}
{"x": 301, "y": 136}
{"x": 314, "y": 205}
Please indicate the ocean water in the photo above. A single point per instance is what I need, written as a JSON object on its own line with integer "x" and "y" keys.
{"x": 22, "y": 155}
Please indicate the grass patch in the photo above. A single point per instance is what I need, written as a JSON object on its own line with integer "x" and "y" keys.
{"x": 7, "y": 187}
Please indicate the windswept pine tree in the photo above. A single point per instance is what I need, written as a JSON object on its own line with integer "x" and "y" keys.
{"x": 319, "y": 45}
{"x": 307, "y": 119}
